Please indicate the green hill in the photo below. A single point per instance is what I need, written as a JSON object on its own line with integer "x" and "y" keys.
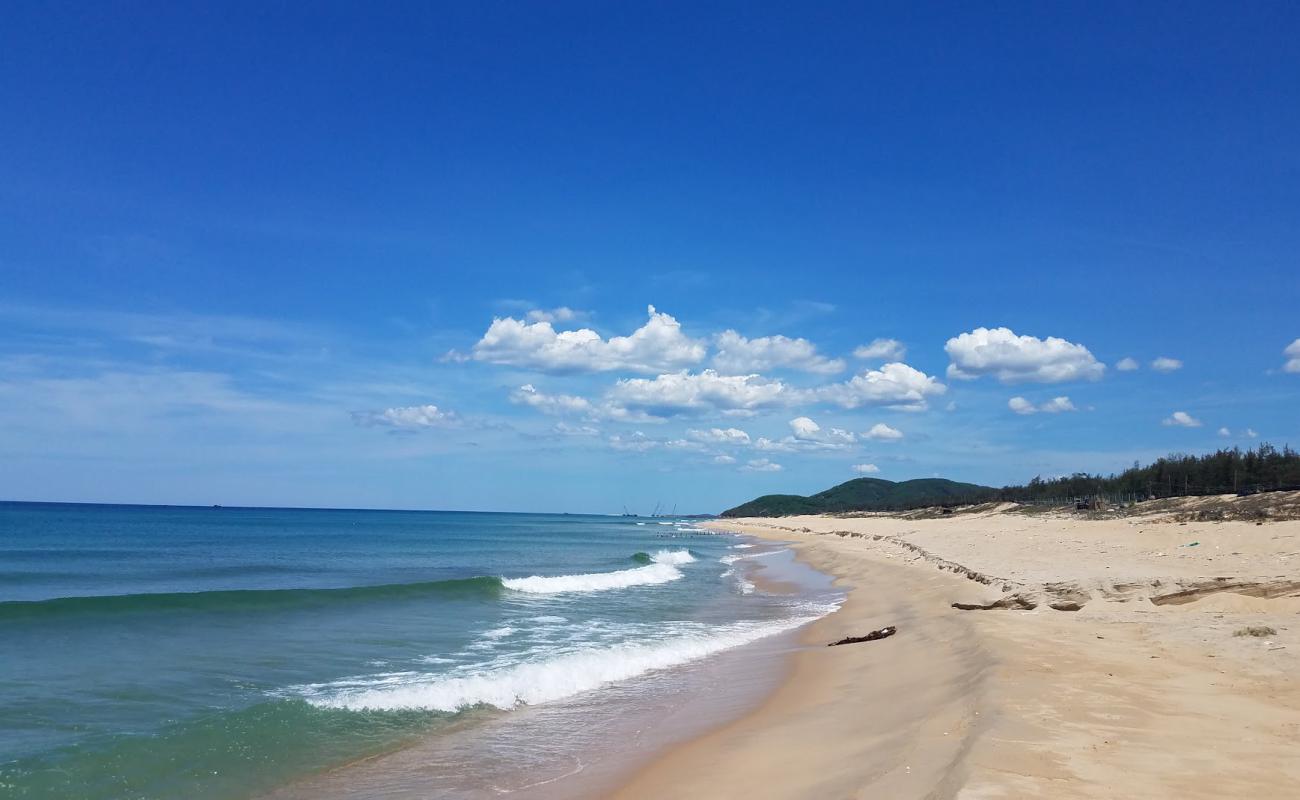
{"x": 865, "y": 494}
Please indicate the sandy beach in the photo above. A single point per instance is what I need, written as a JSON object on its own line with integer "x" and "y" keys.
{"x": 1090, "y": 658}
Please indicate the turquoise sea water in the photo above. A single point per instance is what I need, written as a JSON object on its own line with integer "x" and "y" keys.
{"x": 223, "y": 652}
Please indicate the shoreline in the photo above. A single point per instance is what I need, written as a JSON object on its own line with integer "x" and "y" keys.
{"x": 1098, "y": 660}
{"x": 917, "y": 728}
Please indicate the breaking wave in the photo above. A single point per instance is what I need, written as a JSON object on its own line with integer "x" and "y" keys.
{"x": 531, "y": 683}
{"x": 662, "y": 568}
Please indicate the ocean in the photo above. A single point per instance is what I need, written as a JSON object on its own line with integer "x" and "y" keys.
{"x": 165, "y": 652}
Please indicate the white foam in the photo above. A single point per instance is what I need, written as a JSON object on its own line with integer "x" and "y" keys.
{"x": 672, "y": 557}
{"x": 662, "y": 570}
{"x": 544, "y": 681}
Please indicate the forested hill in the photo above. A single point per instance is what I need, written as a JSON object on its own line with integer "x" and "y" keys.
{"x": 865, "y": 494}
{"x": 1261, "y": 469}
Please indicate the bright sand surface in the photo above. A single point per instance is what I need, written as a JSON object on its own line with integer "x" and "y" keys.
{"x": 1144, "y": 691}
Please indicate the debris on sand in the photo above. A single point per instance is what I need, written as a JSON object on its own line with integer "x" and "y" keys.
{"x": 883, "y": 633}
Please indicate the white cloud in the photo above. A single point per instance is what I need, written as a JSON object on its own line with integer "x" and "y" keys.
{"x": 688, "y": 393}
{"x": 882, "y": 349}
{"x": 1011, "y": 359}
{"x": 807, "y": 436}
{"x": 658, "y": 345}
{"x": 761, "y": 465}
{"x": 1181, "y": 419}
{"x": 731, "y": 436}
{"x": 561, "y": 314}
{"x": 1127, "y": 364}
{"x": 636, "y": 442}
{"x": 882, "y": 432}
{"x": 565, "y": 429}
{"x": 866, "y": 469}
{"x": 557, "y": 404}
{"x": 407, "y": 418}
{"x": 740, "y": 356}
{"x": 684, "y": 444}
{"x": 1249, "y": 433}
{"x": 1166, "y": 364}
{"x": 1292, "y": 352}
{"x": 1021, "y": 406}
{"x": 805, "y": 430}
{"x": 894, "y": 385}
{"x": 1056, "y": 405}
{"x": 724, "y": 459}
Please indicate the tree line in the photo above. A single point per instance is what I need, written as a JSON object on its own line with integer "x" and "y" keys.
{"x": 1260, "y": 469}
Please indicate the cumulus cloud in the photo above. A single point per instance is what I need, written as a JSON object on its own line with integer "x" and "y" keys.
{"x": 1127, "y": 364}
{"x": 739, "y": 356}
{"x": 556, "y": 404}
{"x": 561, "y": 314}
{"x": 727, "y": 436}
{"x": 881, "y": 349}
{"x": 894, "y": 385}
{"x": 565, "y": 429}
{"x": 882, "y": 432}
{"x": 1181, "y": 419}
{"x": 409, "y": 418}
{"x": 1056, "y": 405}
{"x": 1292, "y": 352}
{"x": 1224, "y": 432}
{"x": 807, "y": 436}
{"x": 1022, "y": 406}
{"x": 1166, "y": 364}
{"x": 695, "y": 393}
{"x": 1012, "y": 359}
{"x": 761, "y": 465}
{"x": 805, "y": 429}
{"x": 657, "y": 346}
{"x": 1251, "y": 434}
{"x": 866, "y": 469}
{"x": 724, "y": 459}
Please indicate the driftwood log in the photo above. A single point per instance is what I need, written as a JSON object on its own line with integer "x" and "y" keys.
{"x": 883, "y": 633}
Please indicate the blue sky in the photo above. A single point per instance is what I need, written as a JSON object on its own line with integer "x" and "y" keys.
{"x": 404, "y": 257}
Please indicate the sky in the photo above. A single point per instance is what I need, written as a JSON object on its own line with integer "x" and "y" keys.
{"x": 587, "y": 256}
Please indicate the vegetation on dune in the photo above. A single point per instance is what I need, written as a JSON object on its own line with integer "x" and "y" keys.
{"x": 1264, "y": 468}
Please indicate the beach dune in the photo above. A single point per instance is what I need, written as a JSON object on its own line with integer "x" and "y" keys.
{"x": 1135, "y": 656}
